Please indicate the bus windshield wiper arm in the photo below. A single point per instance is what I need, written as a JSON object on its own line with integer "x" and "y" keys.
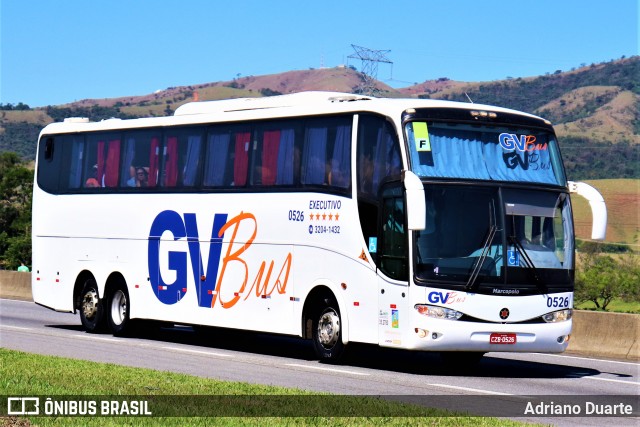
{"x": 528, "y": 264}
{"x": 491, "y": 232}
{"x": 480, "y": 261}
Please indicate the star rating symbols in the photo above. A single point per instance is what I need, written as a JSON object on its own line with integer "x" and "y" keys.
{"x": 324, "y": 216}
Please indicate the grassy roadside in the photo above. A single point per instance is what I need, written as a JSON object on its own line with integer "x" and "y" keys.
{"x": 616, "y": 306}
{"x": 23, "y": 374}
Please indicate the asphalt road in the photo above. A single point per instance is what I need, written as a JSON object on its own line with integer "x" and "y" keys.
{"x": 368, "y": 370}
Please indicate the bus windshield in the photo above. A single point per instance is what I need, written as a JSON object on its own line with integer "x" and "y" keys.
{"x": 490, "y": 237}
{"x": 485, "y": 152}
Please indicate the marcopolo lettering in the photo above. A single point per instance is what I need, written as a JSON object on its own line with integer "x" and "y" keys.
{"x": 207, "y": 280}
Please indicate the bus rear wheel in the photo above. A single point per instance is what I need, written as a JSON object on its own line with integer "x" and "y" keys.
{"x": 91, "y": 307}
{"x": 327, "y": 332}
{"x": 118, "y": 309}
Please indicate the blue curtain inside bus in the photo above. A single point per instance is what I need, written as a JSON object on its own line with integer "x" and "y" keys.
{"x": 216, "y": 161}
{"x": 285, "y": 157}
{"x": 478, "y": 154}
{"x": 314, "y": 155}
{"x": 341, "y": 160}
{"x": 387, "y": 158}
{"x": 193, "y": 155}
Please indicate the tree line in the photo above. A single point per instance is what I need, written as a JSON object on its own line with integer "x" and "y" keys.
{"x": 16, "y": 185}
{"x": 603, "y": 277}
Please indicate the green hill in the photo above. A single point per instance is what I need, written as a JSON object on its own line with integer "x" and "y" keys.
{"x": 595, "y": 109}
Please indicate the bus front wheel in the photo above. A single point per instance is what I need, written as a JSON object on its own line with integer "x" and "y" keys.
{"x": 118, "y": 311}
{"x": 91, "y": 308}
{"x": 327, "y": 332}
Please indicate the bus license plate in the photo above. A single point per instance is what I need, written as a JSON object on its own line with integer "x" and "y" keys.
{"x": 502, "y": 338}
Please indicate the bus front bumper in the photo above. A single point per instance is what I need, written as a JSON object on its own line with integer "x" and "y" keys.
{"x": 450, "y": 335}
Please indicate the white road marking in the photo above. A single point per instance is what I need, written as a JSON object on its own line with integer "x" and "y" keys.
{"x": 611, "y": 380}
{"x": 17, "y": 300}
{"x": 474, "y": 390}
{"x": 205, "y": 353}
{"x": 341, "y": 371}
{"x": 16, "y": 327}
{"x": 588, "y": 358}
{"x": 89, "y": 337}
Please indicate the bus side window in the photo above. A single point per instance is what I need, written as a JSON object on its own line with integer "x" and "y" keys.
{"x": 266, "y": 164}
{"x": 49, "y": 163}
{"x": 314, "y": 155}
{"x": 190, "y": 159}
{"x": 378, "y": 154}
{"x": 76, "y": 162}
{"x": 217, "y": 167}
{"x": 274, "y": 155}
{"x": 378, "y": 157}
{"x": 108, "y": 159}
{"x": 102, "y": 160}
{"x": 288, "y": 158}
{"x": 392, "y": 245}
{"x": 140, "y": 159}
{"x": 241, "y": 158}
{"x": 170, "y": 162}
{"x": 181, "y": 157}
{"x": 326, "y": 153}
{"x": 340, "y": 173}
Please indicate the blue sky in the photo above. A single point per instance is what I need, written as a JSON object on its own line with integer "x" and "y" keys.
{"x": 54, "y": 52}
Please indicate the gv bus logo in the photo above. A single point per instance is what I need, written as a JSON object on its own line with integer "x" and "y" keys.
{"x": 172, "y": 221}
{"x": 511, "y": 141}
{"x": 446, "y": 298}
{"x": 438, "y": 297}
{"x": 208, "y": 282}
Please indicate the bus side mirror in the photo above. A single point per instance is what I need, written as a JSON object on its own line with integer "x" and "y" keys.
{"x": 598, "y": 207}
{"x": 416, "y": 203}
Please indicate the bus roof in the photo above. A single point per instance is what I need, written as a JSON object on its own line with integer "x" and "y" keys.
{"x": 280, "y": 106}
{"x": 290, "y": 100}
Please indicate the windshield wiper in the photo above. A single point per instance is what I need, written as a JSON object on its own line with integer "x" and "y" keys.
{"x": 528, "y": 264}
{"x": 491, "y": 232}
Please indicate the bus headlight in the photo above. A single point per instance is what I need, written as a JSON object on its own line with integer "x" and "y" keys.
{"x": 558, "y": 316}
{"x": 438, "y": 312}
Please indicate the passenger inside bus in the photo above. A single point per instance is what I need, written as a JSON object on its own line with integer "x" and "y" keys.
{"x": 142, "y": 177}
{"x": 92, "y": 181}
{"x": 139, "y": 177}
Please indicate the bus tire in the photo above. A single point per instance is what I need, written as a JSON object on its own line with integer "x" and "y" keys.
{"x": 91, "y": 307}
{"x": 327, "y": 332}
{"x": 118, "y": 309}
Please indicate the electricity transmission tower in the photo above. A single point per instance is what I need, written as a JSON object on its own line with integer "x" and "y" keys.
{"x": 370, "y": 59}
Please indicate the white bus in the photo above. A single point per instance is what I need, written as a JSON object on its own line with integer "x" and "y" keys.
{"x": 415, "y": 224}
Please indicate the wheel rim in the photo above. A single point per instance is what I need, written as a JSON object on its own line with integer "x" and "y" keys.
{"x": 118, "y": 307}
{"x": 90, "y": 304}
{"x": 329, "y": 328}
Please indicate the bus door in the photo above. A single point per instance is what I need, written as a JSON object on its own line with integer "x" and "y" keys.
{"x": 392, "y": 262}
